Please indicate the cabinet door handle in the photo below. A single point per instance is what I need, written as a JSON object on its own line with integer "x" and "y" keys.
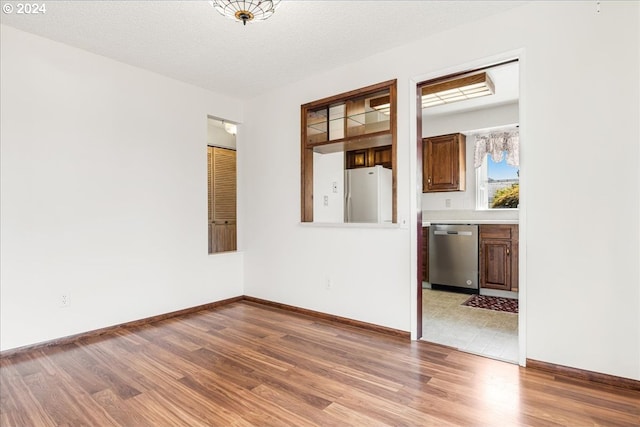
{"x": 429, "y": 180}
{"x": 508, "y": 251}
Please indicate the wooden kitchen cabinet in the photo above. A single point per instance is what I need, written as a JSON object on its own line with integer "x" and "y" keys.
{"x": 444, "y": 164}
{"x": 382, "y": 156}
{"x": 499, "y": 257}
{"x": 367, "y": 157}
{"x": 425, "y": 254}
{"x": 357, "y": 159}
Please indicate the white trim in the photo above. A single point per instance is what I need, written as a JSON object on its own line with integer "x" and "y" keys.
{"x": 522, "y": 217}
{"x": 415, "y": 205}
{"x": 384, "y": 225}
{"x": 482, "y": 190}
{"x": 417, "y": 201}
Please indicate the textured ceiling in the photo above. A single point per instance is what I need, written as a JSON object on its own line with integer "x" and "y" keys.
{"x": 191, "y": 42}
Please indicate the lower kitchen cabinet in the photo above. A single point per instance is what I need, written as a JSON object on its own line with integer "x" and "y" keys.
{"x": 425, "y": 254}
{"x": 499, "y": 257}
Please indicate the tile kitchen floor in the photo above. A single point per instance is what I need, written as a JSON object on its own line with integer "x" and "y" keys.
{"x": 475, "y": 330}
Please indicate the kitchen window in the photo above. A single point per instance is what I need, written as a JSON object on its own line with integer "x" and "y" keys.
{"x": 497, "y": 170}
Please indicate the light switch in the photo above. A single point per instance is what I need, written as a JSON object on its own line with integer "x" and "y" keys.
{"x": 334, "y": 186}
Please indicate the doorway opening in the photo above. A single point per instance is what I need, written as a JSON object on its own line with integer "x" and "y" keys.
{"x": 463, "y": 139}
{"x": 221, "y": 185}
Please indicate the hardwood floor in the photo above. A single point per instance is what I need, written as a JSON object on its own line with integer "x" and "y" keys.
{"x": 247, "y": 364}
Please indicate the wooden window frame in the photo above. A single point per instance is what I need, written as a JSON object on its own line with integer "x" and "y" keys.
{"x": 347, "y": 143}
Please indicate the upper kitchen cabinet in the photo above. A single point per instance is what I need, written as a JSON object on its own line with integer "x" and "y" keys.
{"x": 359, "y": 125}
{"x": 444, "y": 166}
{"x": 367, "y": 157}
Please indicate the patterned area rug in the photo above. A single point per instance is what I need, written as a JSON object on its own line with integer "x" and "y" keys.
{"x": 509, "y": 305}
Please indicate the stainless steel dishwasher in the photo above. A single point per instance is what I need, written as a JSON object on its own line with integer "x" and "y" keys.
{"x": 453, "y": 256}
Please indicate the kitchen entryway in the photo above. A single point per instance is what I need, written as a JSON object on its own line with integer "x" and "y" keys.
{"x": 468, "y": 141}
{"x": 474, "y": 330}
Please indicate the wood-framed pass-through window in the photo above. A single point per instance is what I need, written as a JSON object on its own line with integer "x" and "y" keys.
{"x": 348, "y": 141}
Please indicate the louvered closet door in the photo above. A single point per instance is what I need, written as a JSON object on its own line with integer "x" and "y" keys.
{"x": 222, "y": 199}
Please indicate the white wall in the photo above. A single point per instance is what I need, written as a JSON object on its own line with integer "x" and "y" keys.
{"x": 579, "y": 99}
{"x": 103, "y": 193}
{"x": 327, "y": 170}
{"x": 489, "y": 117}
{"x": 584, "y": 287}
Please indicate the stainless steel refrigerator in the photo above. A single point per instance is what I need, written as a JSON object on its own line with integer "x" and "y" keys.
{"x": 367, "y": 196}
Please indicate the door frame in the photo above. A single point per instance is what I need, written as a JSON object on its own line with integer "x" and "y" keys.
{"x": 415, "y": 87}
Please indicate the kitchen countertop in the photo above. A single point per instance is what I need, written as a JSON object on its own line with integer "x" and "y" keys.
{"x": 469, "y": 221}
{"x": 454, "y": 216}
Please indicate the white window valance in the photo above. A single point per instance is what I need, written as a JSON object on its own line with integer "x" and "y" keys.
{"x": 496, "y": 144}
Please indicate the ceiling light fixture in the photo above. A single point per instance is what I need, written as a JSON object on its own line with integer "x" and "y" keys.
{"x": 458, "y": 89}
{"x": 230, "y": 128}
{"x": 382, "y": 104}
{"x": 246, "y": 10}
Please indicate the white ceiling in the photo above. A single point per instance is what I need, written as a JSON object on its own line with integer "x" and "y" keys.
{"x": 191, "y": 42}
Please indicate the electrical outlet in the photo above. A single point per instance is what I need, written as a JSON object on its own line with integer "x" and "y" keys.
{"x": 326, "y": 200}
{"x": 328, "y": 284}
{"x": 65, "y": 300}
